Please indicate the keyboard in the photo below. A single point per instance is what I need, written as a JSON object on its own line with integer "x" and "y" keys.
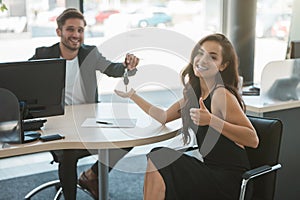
{"x": 33, "y": 124}
{"x": 30, "y": 136}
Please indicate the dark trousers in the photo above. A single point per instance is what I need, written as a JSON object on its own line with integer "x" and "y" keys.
{"x": 67, "y": 169}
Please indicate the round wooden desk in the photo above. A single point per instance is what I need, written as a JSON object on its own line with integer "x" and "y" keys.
{"x": 146, "y": 131}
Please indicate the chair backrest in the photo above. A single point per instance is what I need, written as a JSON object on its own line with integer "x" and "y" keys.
{"x": 269, "y": 132}
{"x": 10, "y": 122}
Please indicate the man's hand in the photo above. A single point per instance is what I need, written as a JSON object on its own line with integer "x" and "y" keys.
{"x": 125, "y": 94}
{"x": 131, "y": 61}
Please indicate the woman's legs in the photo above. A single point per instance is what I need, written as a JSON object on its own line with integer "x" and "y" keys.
{"x": 154, "y": 185}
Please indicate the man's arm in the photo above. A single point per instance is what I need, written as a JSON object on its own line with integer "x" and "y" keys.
{"x": 107, "y": 67}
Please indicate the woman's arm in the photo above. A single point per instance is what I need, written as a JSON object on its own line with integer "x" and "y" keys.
{"x": 229, "y": 119}
{"x": 159, "y": 114}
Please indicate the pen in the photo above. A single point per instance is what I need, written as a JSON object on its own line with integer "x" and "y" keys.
{"x": 103, "y": 122}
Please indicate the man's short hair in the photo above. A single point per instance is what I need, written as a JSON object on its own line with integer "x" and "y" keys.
{"x": 68, "y": 14}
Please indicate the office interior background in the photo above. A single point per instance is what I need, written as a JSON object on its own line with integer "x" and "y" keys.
{"x": 28, "y": 24}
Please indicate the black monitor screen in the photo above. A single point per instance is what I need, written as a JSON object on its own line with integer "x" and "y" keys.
{"x": 39, "y": 85}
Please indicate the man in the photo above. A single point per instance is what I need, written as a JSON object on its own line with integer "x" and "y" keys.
{"x": 81, "y": 87}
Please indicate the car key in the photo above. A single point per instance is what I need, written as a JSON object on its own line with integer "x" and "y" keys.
{"x": 125, "y": 75}
{"x": 126, "y": 79}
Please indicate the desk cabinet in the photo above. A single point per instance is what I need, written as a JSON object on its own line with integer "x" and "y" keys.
{"x": 287, "y": 182}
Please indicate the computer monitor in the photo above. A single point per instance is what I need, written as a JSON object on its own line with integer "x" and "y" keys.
{"x": 39, "y": 85}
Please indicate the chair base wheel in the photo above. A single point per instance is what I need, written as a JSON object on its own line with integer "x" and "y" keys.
{"x": 57, "y": 185}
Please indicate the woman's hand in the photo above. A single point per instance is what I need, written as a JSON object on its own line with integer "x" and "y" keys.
{"x": 125, "y": 94}
{"x": 200, "y": 116}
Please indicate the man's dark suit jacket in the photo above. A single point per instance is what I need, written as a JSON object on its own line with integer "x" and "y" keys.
{"x": 90, "y": 60}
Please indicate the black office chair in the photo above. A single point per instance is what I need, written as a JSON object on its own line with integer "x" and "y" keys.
{"x": 56, "y": 184}
{"x": 263, "y": 159}
{"x": 10, "y": 122}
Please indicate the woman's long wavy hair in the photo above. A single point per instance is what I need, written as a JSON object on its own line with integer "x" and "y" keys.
{"x": 192, "y": 89}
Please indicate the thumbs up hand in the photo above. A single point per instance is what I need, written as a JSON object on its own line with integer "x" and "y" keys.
{"x": 200, "y": 116}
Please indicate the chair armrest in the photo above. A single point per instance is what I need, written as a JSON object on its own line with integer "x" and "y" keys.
{"x": 260, "y": 171}
{"x": 254, "y": 173}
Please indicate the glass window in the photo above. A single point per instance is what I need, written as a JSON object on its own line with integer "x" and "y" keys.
{"x": 189, "y": 17}
{"x": 273, "y": 21}
{"x": 29, "y": 24}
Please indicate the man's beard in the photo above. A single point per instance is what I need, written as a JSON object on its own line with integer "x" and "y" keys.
{"x": 69, "y": 46}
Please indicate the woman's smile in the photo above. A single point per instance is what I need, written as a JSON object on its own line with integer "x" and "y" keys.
{"x": 201, "y": 68}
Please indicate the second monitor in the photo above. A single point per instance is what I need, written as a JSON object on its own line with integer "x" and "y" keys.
{"x": 39, "y": 86}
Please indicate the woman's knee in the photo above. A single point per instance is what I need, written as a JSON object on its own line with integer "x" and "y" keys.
{"x": 153, "y": 182}
{"x": 163, "y": 156}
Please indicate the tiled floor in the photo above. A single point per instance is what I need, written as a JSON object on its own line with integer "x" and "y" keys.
{"x": 30, "y": 164}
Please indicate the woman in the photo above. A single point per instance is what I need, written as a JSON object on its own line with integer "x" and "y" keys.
{"x": 213, "y": 109}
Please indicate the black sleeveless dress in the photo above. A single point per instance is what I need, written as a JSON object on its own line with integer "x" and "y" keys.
{"x": 218, "y": 177}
